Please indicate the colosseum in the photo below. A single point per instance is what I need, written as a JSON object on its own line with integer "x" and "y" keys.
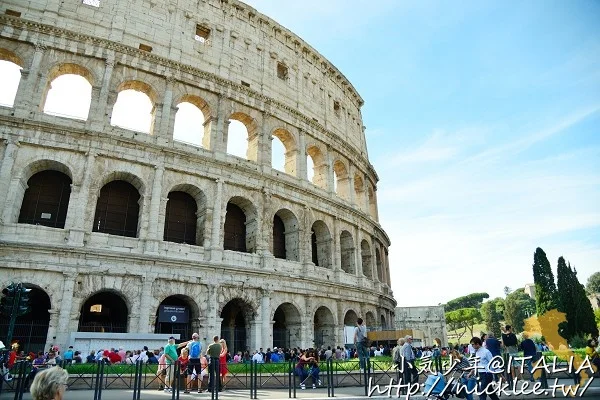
{"x": 137, "y": 231}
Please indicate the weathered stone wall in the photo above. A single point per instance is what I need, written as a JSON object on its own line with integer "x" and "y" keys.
{"x": 430, "y": 320}
{"x": 71, "y": 264}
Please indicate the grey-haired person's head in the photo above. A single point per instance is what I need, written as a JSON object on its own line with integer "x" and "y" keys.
{"x": 49, "y": 384}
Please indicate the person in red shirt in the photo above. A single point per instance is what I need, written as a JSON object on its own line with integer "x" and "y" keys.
{"x": 114, "y": 357}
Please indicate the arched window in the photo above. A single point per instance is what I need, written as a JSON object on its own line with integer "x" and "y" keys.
{"x": 283, "y": 152}
{"x": 277, "y": 154}
{"x": 133, "y": 110}
{"x": 180, "y": 219}
{"x": 235, "y": 229}
{"x": 117, "y": 210}
{"x": 347, "y": 248}
{"x": 189, "y": 124}
{"x": 69, "y": 96}
{"x": 10, "y": 76}
{"x": 46, "y": 199}
{"x": 237, "y": 139}
{"x": 278, "y": 237}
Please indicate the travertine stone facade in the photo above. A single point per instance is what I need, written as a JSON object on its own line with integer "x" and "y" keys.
{"x": 250, "y": 69}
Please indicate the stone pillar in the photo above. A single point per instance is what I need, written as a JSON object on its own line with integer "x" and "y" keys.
{"x": 167, "y": 116}
{"x": 256, "y": 337}
{"x": 10, "y": 154}
{"x": 212, "y": 322}
{"x": 301, "y": 166}
{"x": 145, "y": 319}
{"x": 330, "y": 187}
{"x": 351, "y": 194}
{"x": 267, "y": 323}
{"x": 340, "y": 324}
{"x": 27, "y": 99}
{"x": 16, "y": 190}
{"x": 151, "y": 221}
{"x": 357, "y": 251}
{"x": 51, "y": 338}
{"x": 337, "y": 246}
{"x": 99, "y": 116}
{"x": 216, "y": 251}
{"x": 63, "y": 327}
{"x": 220, "y": 127}
{"x": 78, "y": 204}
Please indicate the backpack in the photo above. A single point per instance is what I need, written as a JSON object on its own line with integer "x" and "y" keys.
{"x": 195, "y": 350}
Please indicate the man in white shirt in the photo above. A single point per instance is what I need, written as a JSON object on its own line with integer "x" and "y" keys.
{"x": 257, "y": 357}
{"x": 483, "y": 360}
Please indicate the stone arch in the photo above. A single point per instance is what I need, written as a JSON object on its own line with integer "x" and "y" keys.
{"x": 179, "y": 306}
{"x": 367, "y": 259}
{"x": 370, "y": 320}
{"x": 237, "y": 316}
{"x": 342, "y": 179}
{"x": 121, "y": 117}
{"x": 348, "y": 258}
{"x": 11, "y": 82}
{"x": 359, "y": 191}
{"x": 201, "y": 207}
{"x": 320, "y": 166}
{"x": 324, "y": 327}
{"x": 238, "y": 234}
{"x": 321, "y": 244}
{"x": 111, "y": 316}
{"x": 253, "y": 134}
{"x": 55, "y": 99}
{"x": 31, "y": 329}
{"x": 383, "y": 322}
{"x": 287, "y": 240}
{"x": 201, "y": 126}
{"x": 378, "y": 265}
{"x": 46, "y": 199}
{"x": 350, "y": 317}
{"x": 291, "y": 150}
{"x": 287, "y": 326}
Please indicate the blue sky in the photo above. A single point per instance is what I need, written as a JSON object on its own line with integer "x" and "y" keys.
{"x": 483, "y": 123}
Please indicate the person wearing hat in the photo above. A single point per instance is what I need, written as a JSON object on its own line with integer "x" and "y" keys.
{"x": 171, "y": 359}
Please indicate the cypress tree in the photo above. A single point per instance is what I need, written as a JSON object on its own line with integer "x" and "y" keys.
{"x": 545, "y": 290}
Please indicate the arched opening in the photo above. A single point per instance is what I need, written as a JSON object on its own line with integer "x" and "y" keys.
{"x": 367, "y": 264}
{"x": 117, "y": 210}
{"x": 348, "y": 258}
{"x": 237, "y": 139}
{"x": 181, "y": 218}
{"x": 283, "y": 152}
{"x": 105, "y": 311}
{"x": 321, "y": 245}
{"x": 324, "y": 327}
{"x": 359, "y": 191}
{"x": 46, "y": 199}
{"x": 174, "y": 316}
{"x": 310, "y": 169}
{"x": 370, "y": 321}
{"x": 189, "y": 124}
{"x": 286, "y": 326}
{"x": 10, "y": 77}
{"x": 319, "y": 176}
{"x": 350, "y": 318}
{"x": 234, "y": 229}
{"x": 279, "y": 250}
{"x": 341, "y": 180}
{"x": 31, "y": 329}
{"x": 237, "y": 316}
{"x": 134, "y": 109}
{"x": 286, "y": 236}
{"x": 372, "y": 204}
{"x": 383, "y": 323}
{"x": 69, "y": 95}
{"x": 379, "y": 265}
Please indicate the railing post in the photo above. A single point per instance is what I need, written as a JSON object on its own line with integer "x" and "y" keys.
{"x": 135, "y": 380}
{"x": 97, "y": 383}
{"x": 101, "y": 380}
{"x": 294, "y": 377}
{"x": 255, "y": 394}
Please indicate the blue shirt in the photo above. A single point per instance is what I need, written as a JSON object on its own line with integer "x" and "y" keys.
{"x": 493, "y": 345}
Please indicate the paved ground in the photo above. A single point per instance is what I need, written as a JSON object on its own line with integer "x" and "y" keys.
{"x": 346, "y": 393}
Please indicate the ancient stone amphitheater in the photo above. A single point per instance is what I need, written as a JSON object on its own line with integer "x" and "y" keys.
{"x": 135, "y": 231}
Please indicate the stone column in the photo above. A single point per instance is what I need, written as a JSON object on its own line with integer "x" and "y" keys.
{"x": 63, "y": 327}
{"x": 99, "y": 116}
{"x": 151, "y": 221}
{"x": 216, "y": 251}
{"x": 145, "y": 319}
{"x": 167, "y": 117}
{"x": 27, "y": 99}
{"x": 267, "y": 324}
{"x": 212, "y": 322}
{"x": 16, "y": 190}
{"x": 329, "y": 171}
{"x": 78, "y": 204}
{"x": 301, "y": 166}
{"x": 351, "y": 194}
{"x": 357, "y": 251}
{"x": 10, "y": 154}
{"x": 256, "y": 337}
{"x": 51, "y": 338}
{"x": 337, "y": 246}
{"x": 219, "y": 128}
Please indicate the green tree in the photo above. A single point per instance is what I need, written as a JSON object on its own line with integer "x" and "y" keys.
{"x": 574, "y": 303}
{"x": 545, "y": 290}
{"x": 462, "y": 320}
{"x": 491, "y": 316}
{"x": 518, "y": 306}
{"x": 597, "y": 316}
{"x": 472, "y": 300}
{"x": 593, "y": 283}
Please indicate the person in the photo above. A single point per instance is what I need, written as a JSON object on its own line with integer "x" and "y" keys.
{"x": 214, "y": 352}
{"x": 91, "y": 358}
{"x": 529, "y": 350}
{"x": 50, "y": 384}
{"x": 184, "y": 359}
{"x": 485, "y": 376}
{"x": 223, "y": 363}
{"x": 592, "y": 354}
{"x": 313, "y": 369}
{"x": 68, "y": 356}
{"x": 299, "y": 369}
{"x": 257, "y": 357}
{"x": 468, "y": 377}
{"x": 170, "y": 358}
{"x": 509, "y": 342}
{"x": 194, "y": 348}
{"x": 493, "y": 345}
{"x": 203, "y": 373}
{"x": 411, "y": 375}
{"x": 361, "y": 344}
{"x": 77, "y": 357}
{"x": 436, "y": 356}
{"x": 37, "y": 365}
